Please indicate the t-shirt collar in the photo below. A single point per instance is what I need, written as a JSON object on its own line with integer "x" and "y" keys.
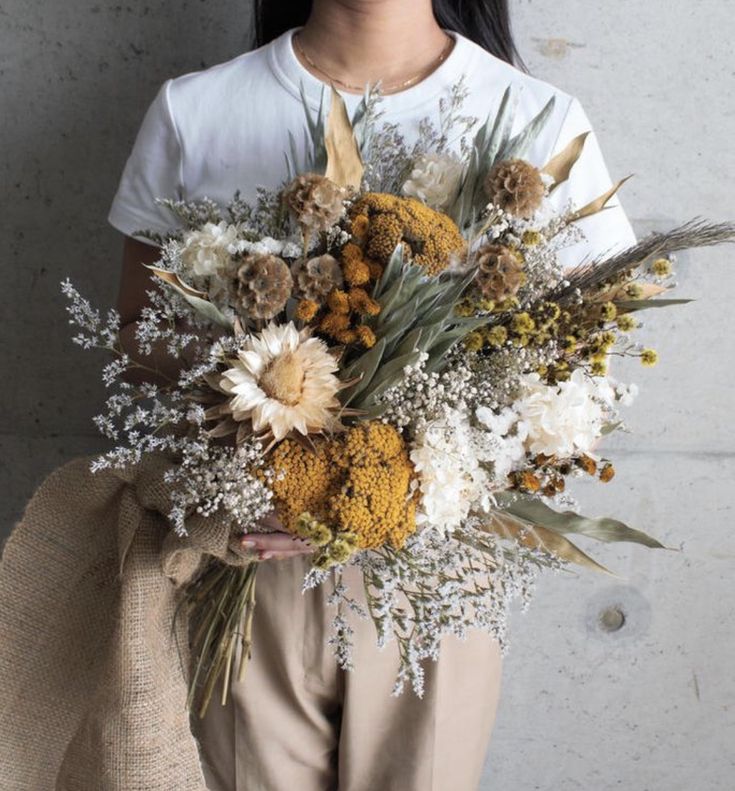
{"x": 294, "y": 77}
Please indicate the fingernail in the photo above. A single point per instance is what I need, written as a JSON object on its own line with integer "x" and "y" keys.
{"x": 249, "y": 544}
{"x": 266, "y": 555}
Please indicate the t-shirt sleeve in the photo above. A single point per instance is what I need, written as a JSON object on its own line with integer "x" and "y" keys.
{"x": 609, "y": 231}
{"x": 153, "y": 170}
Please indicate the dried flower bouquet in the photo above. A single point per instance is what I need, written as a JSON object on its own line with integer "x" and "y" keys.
{"x": 389, "y": 355}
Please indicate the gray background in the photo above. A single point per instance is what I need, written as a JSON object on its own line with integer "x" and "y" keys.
{"x": 650, "y": 707}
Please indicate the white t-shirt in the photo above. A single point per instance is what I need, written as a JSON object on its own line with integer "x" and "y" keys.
{"x": 226, "y": 128}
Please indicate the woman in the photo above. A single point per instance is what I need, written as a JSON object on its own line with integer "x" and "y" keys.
{"x": 297, "y": 721}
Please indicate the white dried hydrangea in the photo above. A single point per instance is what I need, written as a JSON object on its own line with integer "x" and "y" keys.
{"x": 451, "y": 479}
{"x": 564, "y": 419}
{"x": 434, "y": 179}
{"x": 206, "y": 252}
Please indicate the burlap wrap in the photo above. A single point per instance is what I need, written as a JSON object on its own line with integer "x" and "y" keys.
{"x": 93, "y": 672}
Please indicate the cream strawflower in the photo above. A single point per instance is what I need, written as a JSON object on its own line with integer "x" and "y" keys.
{"x": 434, "y": 180}
{"x": 564, "y": 419}
{"x": 283, "y": 380}
{"x": 206, "y": 253}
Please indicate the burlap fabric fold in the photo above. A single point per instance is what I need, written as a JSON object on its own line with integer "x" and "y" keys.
{"x": 93, "y": 670}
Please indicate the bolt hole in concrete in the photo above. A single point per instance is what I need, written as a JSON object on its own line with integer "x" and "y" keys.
{"x": 612, "y": 619}
{"x": 621, "y": 612}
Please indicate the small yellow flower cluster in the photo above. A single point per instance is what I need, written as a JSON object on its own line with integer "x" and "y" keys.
{"x": 334, "y": 547}
{"x": 546, "y": 475}
{"x": 382, "y": 221}
{"x": 341, "y": 317}
{"x": 661, "y": 267}
{"x": 649, "y": 357}
{"x": 346, "y": 310}
{"x": 357, "y": 483}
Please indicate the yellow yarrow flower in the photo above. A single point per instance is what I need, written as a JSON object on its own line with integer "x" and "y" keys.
{"x": 357, "y": 482}
{"x": 432, "y": 238}
{"x": 359, "y": 225}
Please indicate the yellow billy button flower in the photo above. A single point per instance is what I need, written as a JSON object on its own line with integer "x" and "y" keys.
{"x": 626, "y": 323}
{"x": 661, "y": 267}
{"x": 531, "y": 238}
{"x": 634, "y": 290}
{"x": 496, "y": 336}
{"x": 522, "y": 323}
{"x": 649, "y": 357}
{"x": 608, "y": 312}
{"x": 598, "y": 368}
{"x": 473, "y": 341}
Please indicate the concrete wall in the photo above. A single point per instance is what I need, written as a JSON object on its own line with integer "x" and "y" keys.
{"x": 650, "y": 707}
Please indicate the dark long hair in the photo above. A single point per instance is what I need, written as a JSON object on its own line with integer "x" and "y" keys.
{"x": 486, "y": 22}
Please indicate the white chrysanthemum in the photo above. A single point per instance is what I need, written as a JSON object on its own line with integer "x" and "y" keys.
{"x": 562, "y": 419}
{"x": 205, "y": 253}
{"x": 451, "y": 480}
{"x": 283, "y": 380}
{"x": 434, "y": 179}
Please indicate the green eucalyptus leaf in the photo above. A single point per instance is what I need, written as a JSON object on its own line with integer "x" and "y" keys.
{"x": 518, "y": 146}
{"x": 412, "y": 342}
{"x": 387, "y": 376}
{"x": 392, "y": 270}
{"x": 365, "y": 367}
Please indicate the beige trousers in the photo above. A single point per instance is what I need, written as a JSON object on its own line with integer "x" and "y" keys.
{"x": 299, "y": 723}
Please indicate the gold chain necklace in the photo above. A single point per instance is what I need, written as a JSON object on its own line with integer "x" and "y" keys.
{"x": 389, "y": 89}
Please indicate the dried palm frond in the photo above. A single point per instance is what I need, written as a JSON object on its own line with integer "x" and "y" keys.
{"x": 694, "y": 233}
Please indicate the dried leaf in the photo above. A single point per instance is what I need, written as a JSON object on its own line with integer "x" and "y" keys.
{"x": 632, "y": 305}
{"x": 647, "y": 290}
{"x": 598, "y": 204}
{"x": 197, "y": 299}
{"x": 172, "y": 279}
{"x": 534, "y": 511}
{"x": 560, "y": 166}
{"x": 344, "y": 164}
{"x": 537, "y": 537}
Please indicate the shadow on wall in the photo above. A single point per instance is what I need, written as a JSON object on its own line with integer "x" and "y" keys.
{"x": 76, "y": 80}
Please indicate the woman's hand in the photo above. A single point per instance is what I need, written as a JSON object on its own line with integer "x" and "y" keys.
{"x": 276, "y": 544}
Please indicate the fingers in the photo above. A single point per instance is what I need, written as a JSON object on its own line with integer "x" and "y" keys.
{"x": 275, "y": 545}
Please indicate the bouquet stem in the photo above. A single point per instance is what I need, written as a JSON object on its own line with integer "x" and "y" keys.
{"x": 222, "y": 603}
